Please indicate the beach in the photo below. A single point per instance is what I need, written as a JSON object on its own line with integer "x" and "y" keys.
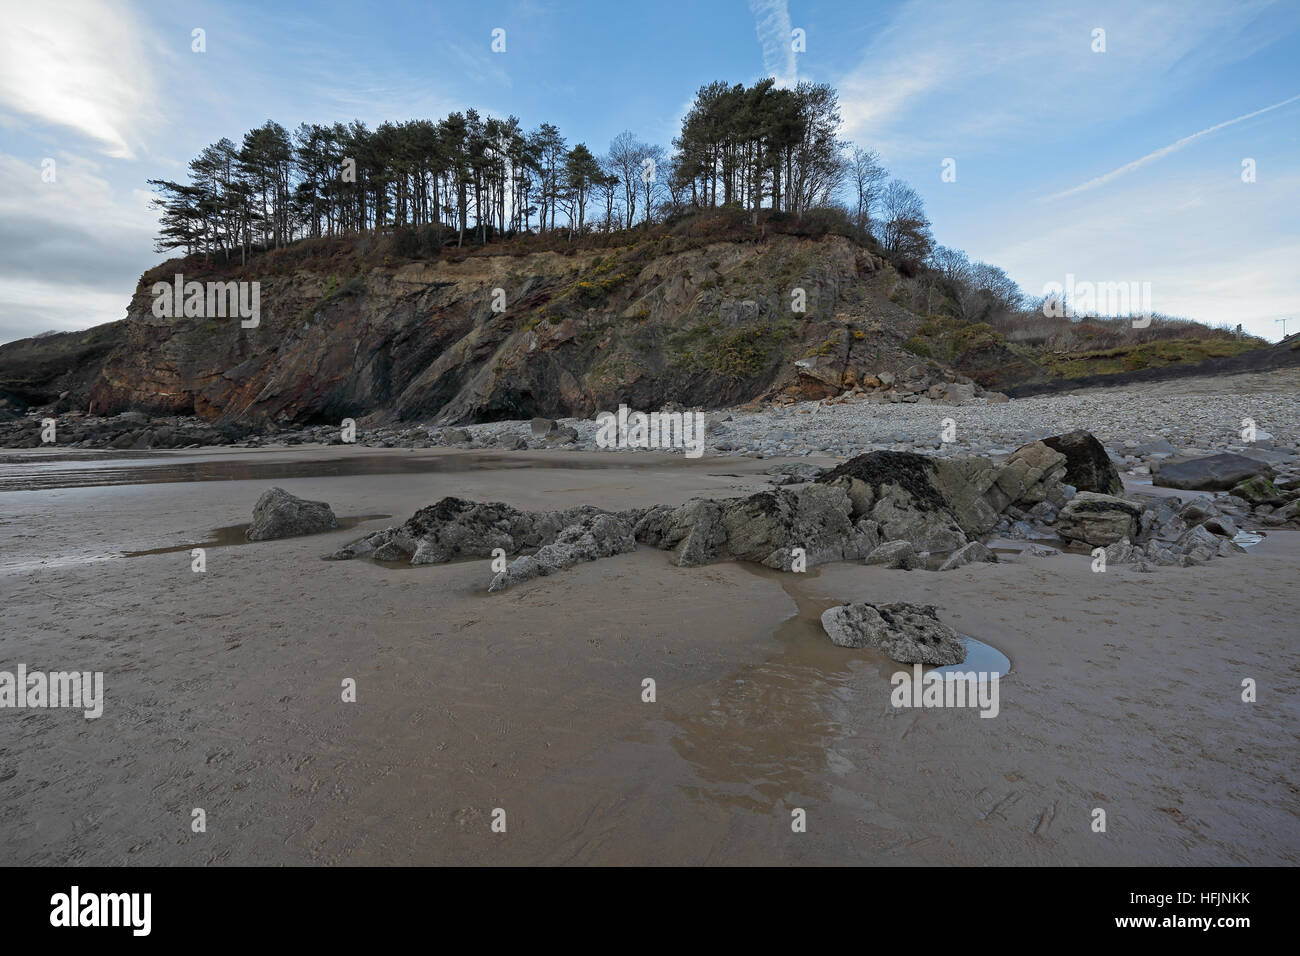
{"x": 224, "y": 688}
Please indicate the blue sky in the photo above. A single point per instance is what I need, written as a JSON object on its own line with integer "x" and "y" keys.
{"x": 1115, "y": 166}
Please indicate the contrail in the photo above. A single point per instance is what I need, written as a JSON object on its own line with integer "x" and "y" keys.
{"x": 772, "y": 24}
{"x": 1163, "y": 151}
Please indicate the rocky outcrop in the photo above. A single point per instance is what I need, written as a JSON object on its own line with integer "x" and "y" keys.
{"x": 279, "y": 514}
{"x": 595, "y": 536}
{"x": 454, "y": 528}
{"x": 353, "y": 330}
{"x": 765, "y": 528}
{"x": 907, "y": 633}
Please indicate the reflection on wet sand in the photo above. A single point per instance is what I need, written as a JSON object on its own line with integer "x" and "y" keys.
{"x": 774, "y": 730}
{"x": 37, "y": 474}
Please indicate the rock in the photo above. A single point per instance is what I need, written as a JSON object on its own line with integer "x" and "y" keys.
{"x": 899, "y": 555}
{"x": 565, "y": 435}
{"x": 764, "y": 528}
{"x": 967, "y": 554}
{"x": 996, "y": 398}
{"x": 455, "y": 436}
{"x": 794, "y": 473}
{"x": 1121, "y": 552}
{"x": 595, "y": 536}
{"x": 907, "y": 633}
{"x": 1087, "y": 466}
{"x": 1257, "y": 490}
{"x": 1098, "y": 520}
{"x": 455, "y": 528}
{"x": 543, "y": 426}
{"x": 279, "y": 514}
{"x": 1211, "y": 473}
{"x": 1195, "y": 539}
{"x": 1220, "y": 525}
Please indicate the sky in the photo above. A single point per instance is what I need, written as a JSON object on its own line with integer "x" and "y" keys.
{"x": 1115, "y": 156}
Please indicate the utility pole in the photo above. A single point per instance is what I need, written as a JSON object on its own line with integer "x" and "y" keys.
{"x": 1284, "y": 322}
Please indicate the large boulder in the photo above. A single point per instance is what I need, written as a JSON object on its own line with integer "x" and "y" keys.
{"x": 900, "y": 493}
{"x": 1087, "y": 466}
{"x": 907, "y": 633}
{"x": 765, "y": 528}
{"x": 1098, "y": 520}
{"x": 1211, "y": 473}
{"x": 279, "y": 514}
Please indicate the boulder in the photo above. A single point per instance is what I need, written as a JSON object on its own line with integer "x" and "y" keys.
{"x": 1211, "y": 473}
{"x": 279, "y": 514}
{"x": 1257, "y": 490}
{"x": 543, "y": 426}
{"x": 1087, "y": 466}
{"x": 764, "y": 528}
{"x": 1098, "y": 520}
{"x": 907, "y": 633}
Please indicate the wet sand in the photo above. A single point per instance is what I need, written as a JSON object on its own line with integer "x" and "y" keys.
{"x": 223, "y": 691}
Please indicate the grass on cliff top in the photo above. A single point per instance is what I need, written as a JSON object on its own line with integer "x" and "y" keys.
{"x": 1144, "y": 355}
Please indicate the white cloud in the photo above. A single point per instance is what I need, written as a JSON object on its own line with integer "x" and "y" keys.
{"x": 80, "y": 65}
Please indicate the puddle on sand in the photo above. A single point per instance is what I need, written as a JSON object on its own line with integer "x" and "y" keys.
{"x": 980, "y": 658}
{"x": 234, "y": 534}
{"x": 38, "y": 474}
{"x": 788, "y": 726}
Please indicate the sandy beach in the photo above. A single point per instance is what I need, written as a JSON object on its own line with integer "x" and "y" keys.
{"x": 223, "y": 688}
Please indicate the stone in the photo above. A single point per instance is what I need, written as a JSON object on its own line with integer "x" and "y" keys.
{"x": 899, "y": 555}
{"x": 975, "y": 551}
{"x": 1211, "y": 473}
{"x": 907, "y": 633}
{"x": 595, "y": 536}
{"x": 1257, "y": 490}
{"x": 278, "y": 514}
{"x": 1098, "y": 520}
{"x": 542, "y": 427}
{"x": 1087, "y": 466}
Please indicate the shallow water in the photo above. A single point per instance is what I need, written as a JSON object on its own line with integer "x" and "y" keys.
{"x": 36, "y": 473}
{"x": 235, "y": 534}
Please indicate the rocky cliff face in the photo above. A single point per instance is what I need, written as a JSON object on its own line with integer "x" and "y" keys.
{"x": 492, "y": 336}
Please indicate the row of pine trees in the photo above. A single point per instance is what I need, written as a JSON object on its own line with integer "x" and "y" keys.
{"x": 480, "y": 177}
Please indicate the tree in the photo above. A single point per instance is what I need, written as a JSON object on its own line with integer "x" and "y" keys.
{"x": 582, "y": 173}
{"x": 626, "y": 154}
{"x": 867, "y": 178}
{"x": 906, "y": 230}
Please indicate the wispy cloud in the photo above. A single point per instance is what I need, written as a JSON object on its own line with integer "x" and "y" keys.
{"x": 772, "y": 24}
{"x": 81, "y": 65}
{"x": 1165, "y": 151}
